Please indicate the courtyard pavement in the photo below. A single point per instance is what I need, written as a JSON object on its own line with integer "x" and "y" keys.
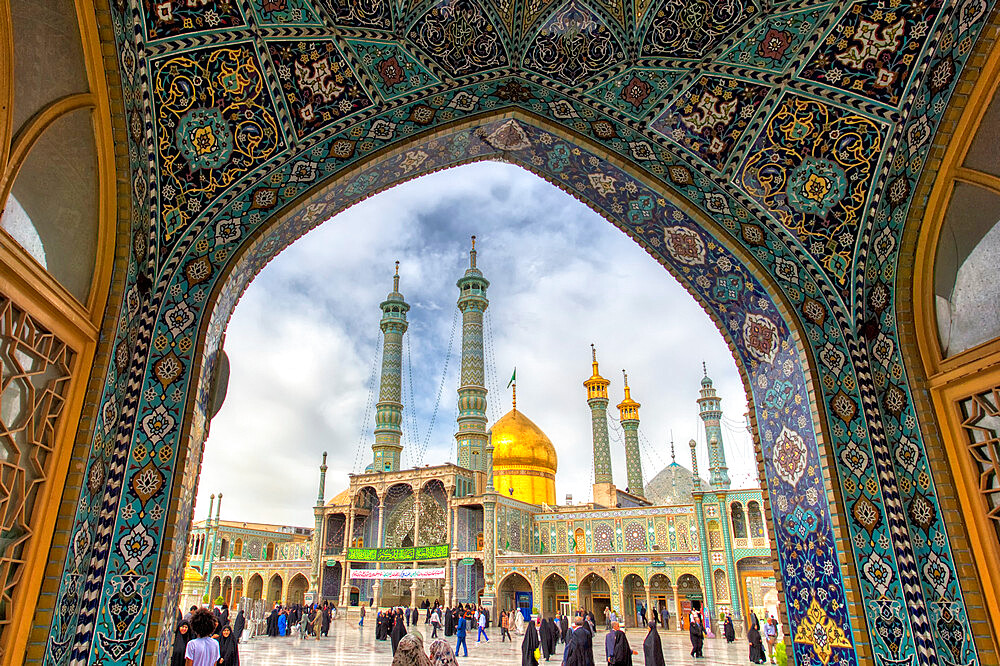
{"x": 348, "y": 645}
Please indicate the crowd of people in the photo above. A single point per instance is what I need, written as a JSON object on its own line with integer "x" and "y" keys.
{"x": 207, "y": 638}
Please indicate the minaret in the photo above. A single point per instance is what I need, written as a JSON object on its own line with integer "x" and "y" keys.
{"x": 710, "y": 410}
{"x": 472, "y": 301}
{"x": 628, "y": 409}
{"x": 597, "y": 398}
{"x": 318, "y": 535}
{"x": 389, "y": 408}
{"x": 322, "y": 482}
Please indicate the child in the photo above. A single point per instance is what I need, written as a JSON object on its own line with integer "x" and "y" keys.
{"x": 202, "y": 650}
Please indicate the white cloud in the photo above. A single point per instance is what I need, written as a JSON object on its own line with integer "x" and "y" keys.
{"x": 303, "y": 338}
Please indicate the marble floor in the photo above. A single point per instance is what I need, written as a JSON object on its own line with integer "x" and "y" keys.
{"x": 347, "y": 645}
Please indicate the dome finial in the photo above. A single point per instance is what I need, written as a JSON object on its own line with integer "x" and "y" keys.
{"x": 704, "y": 369}
{"x": 593, "y": 352}
{"x": 472, "y": 254}
{"x": 673, "y": 455}
{"x": 395, "y": 279}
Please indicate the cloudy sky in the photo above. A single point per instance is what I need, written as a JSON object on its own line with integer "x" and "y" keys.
{"x": 303, "y": 340}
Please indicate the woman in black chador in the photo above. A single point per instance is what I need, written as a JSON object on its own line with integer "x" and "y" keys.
{"x": 449, "y": 622}
{"x": 229, "y": 653}
{"x": 728, "y": 629}
{"x": 652, "y": 648}
{"x": 181, "y": 638}
{"x": 398, "y": 630}
{"x": 529, "y": 645}
{"x": 756, "y": 645}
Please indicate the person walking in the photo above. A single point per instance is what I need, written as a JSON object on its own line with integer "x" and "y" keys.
{"x": 652, "y": 648}
{"x": 697, "y": 633}
{"x": 481, "y": 623}
{"x": 728, "y": 630}
{"x": 616, "y": 646}
{"x": 753, "y": 637}
{"x": 181, "y": 638}
{"x": 771, "y": 636}
{"x": 435, "y": 622}
{"x": 202, "y": 650}
{"x": 398, "y": 630}
{"x": 460, "y": 629}
{"x": 529, "y": 646}
{"x": 505, "y": 626}
{"x": 361, "y": 622}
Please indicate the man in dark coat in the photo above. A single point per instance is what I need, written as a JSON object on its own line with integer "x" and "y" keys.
{"x": 616, "y": 645}
{"x": 326, "y": 620}
{"x": 579, "y": 649}
{"x": 398, "y": 630}
{"x": 697, "y": 633}
{"x": 529, "y": 645}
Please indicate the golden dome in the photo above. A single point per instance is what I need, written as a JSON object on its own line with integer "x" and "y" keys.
{"x": 191, "y": 575}
{"x": 524, "y": 460}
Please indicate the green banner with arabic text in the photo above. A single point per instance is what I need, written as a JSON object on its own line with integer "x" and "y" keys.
{"x": 397, "y": 554}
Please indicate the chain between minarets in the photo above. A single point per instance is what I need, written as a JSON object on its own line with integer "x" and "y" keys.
{"x": 472, "y": 303}
{"x": 597, "y": 399}
{"x": 389, "y": 408}
{"x": 628, "y": 410}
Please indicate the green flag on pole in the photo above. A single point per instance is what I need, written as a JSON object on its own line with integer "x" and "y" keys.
{"x": 513, "y": 377}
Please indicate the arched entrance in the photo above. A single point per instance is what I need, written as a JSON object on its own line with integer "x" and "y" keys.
{"x": 274, "y": 590}
{"x": 634, "y": 598}
{"x": 514, "y": 592}
{"x": 790, "y": 240}
{"x": 227, "y": 591}
{"x": 215, "y": 591}
{"x": 555, "y": 595}
{"x": 661, "y": 592}
{"x": 237, "y": 589}
{"x": 595, "y": 595}
{"x": 255, "y": 587}
{"x": 691, "y": 597}
{"x": 297, "y": 588}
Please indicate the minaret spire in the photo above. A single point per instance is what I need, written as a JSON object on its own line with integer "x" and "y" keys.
{"x": 695, "y": 479}
{"x": 472, "y": 302}
{"x": 710, "y": 410}
{"x": 322, "y": 482}
{"x": 597, "y": 399}
{"x": 389, "y": 408}
{"x": 628, "y": 410}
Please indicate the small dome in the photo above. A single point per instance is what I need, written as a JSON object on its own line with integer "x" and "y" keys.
{"x": 672, "y": 485}
{"x": 191, "y": 575}
{"x": 524, "y": 460}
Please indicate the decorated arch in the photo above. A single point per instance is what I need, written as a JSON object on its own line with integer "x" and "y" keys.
{"x": 766, "y": 156}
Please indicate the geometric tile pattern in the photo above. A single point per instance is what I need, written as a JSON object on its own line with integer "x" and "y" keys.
{"x": 34, "y": 377}
{"x": 807, "y": 203}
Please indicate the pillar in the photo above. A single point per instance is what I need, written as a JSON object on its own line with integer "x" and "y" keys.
{"x": 377, "y": 587}
{"x": 727, "y": 544}
{"x": 677, "y": 608}
{"x": 597, "y": 400}
{"x": 649, "y": 602}
{"x": 628, "y": 410}
{"x": 345, "y": 592}
{"x": 318, "y": 536}
{"x": 204, "y": 539}
{"x": 416, "y": 542}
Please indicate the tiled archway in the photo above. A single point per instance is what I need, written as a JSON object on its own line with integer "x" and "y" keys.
{"x": 772, "y": 186}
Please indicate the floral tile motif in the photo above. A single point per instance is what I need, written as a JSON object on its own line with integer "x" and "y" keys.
{"x": 460, "y": 37}
{"x": 636, "y": 90}
{"x": 573, "y": 45}
{"x": 285, "y": 12}
{"x": 811, "y": 169}
{"x": 318, "y": 85}
{"x": 873, "y": 50}
{"x": 709, "y": 118}
{"x": 213, "y": 106}
{"x": 685, "y": 29}
{"x": 393, "y": 70}
{"x": 772, "y": 45}
{"x": 172, "y": 18}
{"x": 360, "y": 13}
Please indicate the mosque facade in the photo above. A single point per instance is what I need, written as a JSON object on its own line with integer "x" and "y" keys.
{"x": 488, "y": 530}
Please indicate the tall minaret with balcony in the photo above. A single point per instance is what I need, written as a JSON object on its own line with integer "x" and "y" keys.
{"x": 597, "y": 399}
{"x": 710, "y": 410}
{"x": 389, "y": 408}
{"x": 472, "y": 302}
{"x": 628, "y": 410}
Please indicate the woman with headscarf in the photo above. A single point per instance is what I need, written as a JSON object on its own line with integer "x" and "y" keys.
{"x": 441, "y": 654}
{"x": 410, "y": 650}
{"x": 756, "y": 644}
{"x": 546, "y": 641}
{"x": 697, "y": 633}
{"x": 530, "y": 643}
{"x": 317, "y": 622}
{"x": 652, "y": 648}
{"x": 398, "y": 630}
{"x": 239, "y": 624}
{"x": 282, "y": 624}
{"x": 327, "y": 618}
{"x": 518, "y": 621}
{"x": 449, "y": 622}
{"x": 229, "y": 654}
{"x": 728, "y": 630}
{"x": 181, "y": 638}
